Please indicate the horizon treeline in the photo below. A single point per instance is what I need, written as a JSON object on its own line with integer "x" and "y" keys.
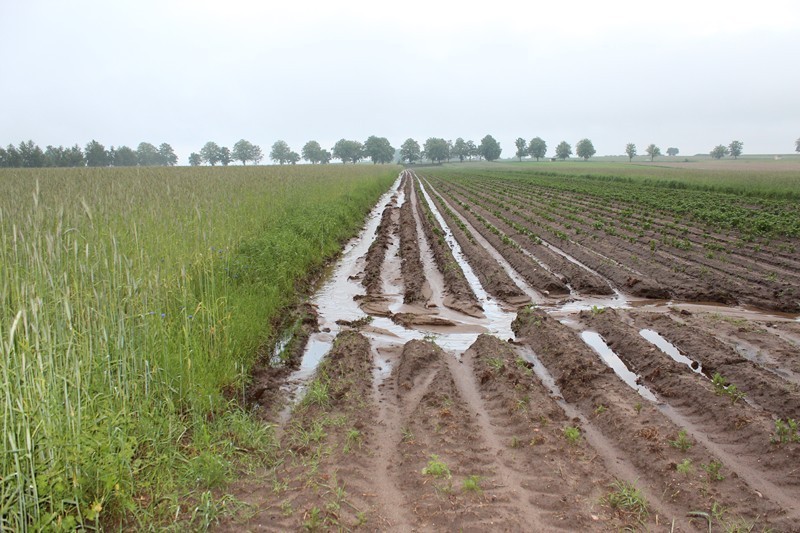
{"x": 29, "y": 155}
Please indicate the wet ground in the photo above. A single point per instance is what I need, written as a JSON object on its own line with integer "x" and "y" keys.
{"x": 458, "y": 347}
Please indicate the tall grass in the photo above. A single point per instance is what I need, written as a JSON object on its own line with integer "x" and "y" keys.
{"x": 132, "y": 302}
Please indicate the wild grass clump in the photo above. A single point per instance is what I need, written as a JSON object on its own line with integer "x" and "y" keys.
{"x": 132, "y": 302}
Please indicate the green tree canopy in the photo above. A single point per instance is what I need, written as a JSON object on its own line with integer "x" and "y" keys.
{"x": 225, "y": 156}
{"x": 719, "y": 151}
{"x": 195, "y": 159}
{"x": 472, "y": 150}
{"x": 280, "y": 152}
{"x": 630, "y": 149}
{"x": 96, "y": 155}
{"x": 522, "y": 147}
{"x": 32, "y": 156}
{"x": 735, "y": 148}
{"x": 537, "y": 148}
{"x": 245, "y": 151}
{"x": 585, "y": 149}
{"x": 672, "y": 151}
{"x": 167, "y": 155}
{"x": 313, "y": 152}
{"x": 490, "y": 148}
{"x": 436, "y": 149}
{"x": 147, "y": 155}
{"x": 563, "y": 150}
{"x": 348, "y": 151}
{"x": 797, "y": 145}
{"x": 211, "y": 153}
{"x": 378, "y": 149}
{"x": 124, "y": 156}
{"x": 460, "y": 149}
{"x": 653, "y": 151}
{"x": 410, "y": 151}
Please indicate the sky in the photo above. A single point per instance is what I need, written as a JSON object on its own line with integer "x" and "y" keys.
{"x": 688, "y": 74}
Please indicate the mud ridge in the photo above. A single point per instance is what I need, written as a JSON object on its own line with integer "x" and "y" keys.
{"x": 411, "y": 263}
{"x": 377, "y": 253}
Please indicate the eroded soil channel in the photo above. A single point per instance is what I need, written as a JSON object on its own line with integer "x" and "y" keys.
{"x": 449, "y": 376}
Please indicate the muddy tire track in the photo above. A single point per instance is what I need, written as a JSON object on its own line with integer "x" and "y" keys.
{"x": 411, "y": 266}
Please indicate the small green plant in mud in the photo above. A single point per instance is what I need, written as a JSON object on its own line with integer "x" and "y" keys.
{"x": 721, "y": 386}
{"x": 685, "y": 467}
{"x": 408, "y": 435}
{"x": 353, "y": 440}
{"x": 682, "y": 442}
{"x": 496, "y": 364}
{"x": 314, "y": 520}
{"x": 317, "y": 393}
{"x": 598, "y": 310}
{"x": 785, "y": 431}
{"x": 524, "y": 365}
{"x": 638, "y": 407}
{"x": 361, "y": 322}
{"x": 515, "y": 442}
{"x": 600, "y": 409}
{"x": 472, "y": 484}
{"x": 287, "y": 509}
{"x": 361, "y": 518}
{"x": 572, "y": 434}
{"x": 430, "y": 337}
{"x": 628, "y": 499}
{"x": 436, "y": 468}
{"x": 713, "y": 469}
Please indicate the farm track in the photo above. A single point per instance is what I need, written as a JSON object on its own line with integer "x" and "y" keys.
{"x": 425, "y": 417}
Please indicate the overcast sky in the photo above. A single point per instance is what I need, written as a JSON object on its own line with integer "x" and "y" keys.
{"x": 690, "y": 74}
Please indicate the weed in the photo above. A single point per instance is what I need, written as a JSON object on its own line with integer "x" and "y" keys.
{"x": 361, "y": 518}
{"x": 436, "y": 468}
{"x": 785, "y": 431}
{"x": 684, "y": 467}
{"x": 572, "y": 434}
{"x": 496, "y": 364}
{"x": 721, "y": 386}
{"x": 628, "y": 499}
{"x": 408, "y": 435}
{"x": 713, "y": 470}
{"x": 314, "y": 521}
{"x": 600, "y": 409}
{"x": 598, "y": 310}
{"x": 472, "y": 484}
{"x": 317, "y": 393}
{"x": 638, "y": 407}
{"x": 353, "y": 439}
{"x": 682, "y": 442}
{"x": 287, "y": 509}
{"x": 515, "y": 442}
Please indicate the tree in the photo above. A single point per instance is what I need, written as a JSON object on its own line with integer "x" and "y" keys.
{"x": 312, "y": 152}
{"x": 148, "y": 155}
{"x": 460, "y": 149}
{"x": 563, "y": 150}
{"x": 672, "y": 151}
{"x": 585, "y": 149}
{"x": 96, "y": 155}
{"x": 348, "y": 151}
{"x": 537, "y": 148}
{"x": 225, "y": 156}
{"x": 32, "y": 156}
{"x": 490, "y": 148}
{"x": 630, "y": 149}
{"x": 409, "y": 151}
{"x": 472, "y": 149}
{"x": 293, "y": 158}
{"x": 167, "y": 155}
{"x": 211, "y": 153}
{"x": 124, "y": 156}
{"x": 653, "y": 151}
{"x": 719, "y": 151}
{"x": 245, "y": 151}
{"x": 735, "y": 148}
{"x": 435, "y": 149}
{"x": 797, "y": 145}
{"x": 378, "y": 149}
{"x": 522, "y": 147}
{"x": 280, "y": 152}
{"x": 195, "y": 159}
{"x": 73, "y": 157}
{"x": 449, "y": 150}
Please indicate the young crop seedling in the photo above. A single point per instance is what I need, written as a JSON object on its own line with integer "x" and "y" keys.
{"x": 496, "y": 364}
{"x": 684, "y": 467}
{"x": 682, "y": 442}
{"x": 353, "y": 440}
{"x": 436, "y": 468}
{"x": 713, "y": 470}
{"x": 472, "y": 484}
{"x": 785, "y": 431}
{"x": 600, "y": 409}
{"x": 572, "y": 434}
{"x": 721, "y": 386}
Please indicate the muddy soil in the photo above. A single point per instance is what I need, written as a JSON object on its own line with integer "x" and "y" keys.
{"x": 377, "y": 252}
{"x": 460, "y": 296}
{"x": 413, "y": 277}
{"x": 490, "y": 273}
{"x": 636, "y": 427}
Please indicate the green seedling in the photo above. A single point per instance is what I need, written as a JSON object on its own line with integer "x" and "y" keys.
{"x": 682, "y": 442}
{"x": 572, "y": 434}
{"x": 685, "y": 467}
{"x": 785, "y": 431}
{"x": 713, "y": 470}
{"x": 436, "y": 468}
{"x": 472, "y": 484}
{"x": 496, "y": 364}
{"x": 627, "y": 498}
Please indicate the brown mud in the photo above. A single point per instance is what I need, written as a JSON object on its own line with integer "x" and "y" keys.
{"x": 413, "y": 278}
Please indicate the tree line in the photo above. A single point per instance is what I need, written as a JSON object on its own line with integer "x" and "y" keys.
{"x": 94, "y": 154}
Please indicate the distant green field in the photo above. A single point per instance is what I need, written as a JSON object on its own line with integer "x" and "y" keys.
{"x": 760, "y": 177}
{"x": 133, "y": 302}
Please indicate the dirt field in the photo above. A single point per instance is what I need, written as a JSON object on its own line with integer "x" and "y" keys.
{"x": 457, "y": 371}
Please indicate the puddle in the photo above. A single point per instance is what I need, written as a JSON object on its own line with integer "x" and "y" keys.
{"x": 670, "y": 349}
{"x": 596, "y": 342}
{"x": 764, "y": 360}
{"x": 541, "y": 371}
